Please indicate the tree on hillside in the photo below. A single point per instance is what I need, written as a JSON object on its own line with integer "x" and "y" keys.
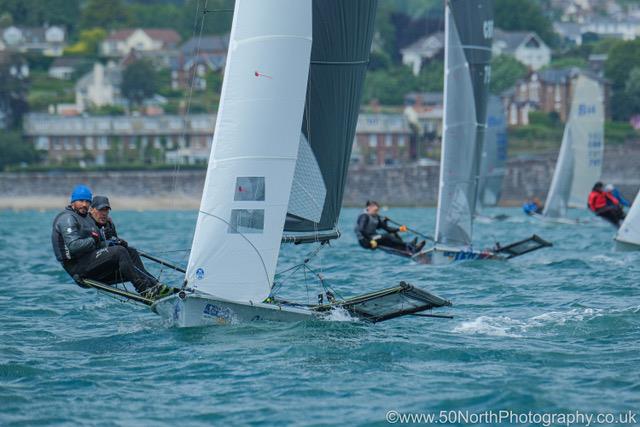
{"x": 525, "y": 16}
{"x": 13, "y": 91}
{"x": 623, "y": 57}
{"x": 15, "y": 151}
{"x": 36, "y": 13}
{"x": 88, "y": 44}
{"x": 505, "y": 72}
{"x": 139, "y": 82}
{"x": 105, "y": 14}
{"x": 632, "y": 93}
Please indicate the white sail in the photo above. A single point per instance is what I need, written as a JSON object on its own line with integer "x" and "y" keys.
{"x": 629, "y": 232}
{"x": 255, "y": 147}
{"x": 579, "y": 164}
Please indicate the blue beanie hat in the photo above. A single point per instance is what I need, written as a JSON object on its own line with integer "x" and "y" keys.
{"x": 81, "y": 192}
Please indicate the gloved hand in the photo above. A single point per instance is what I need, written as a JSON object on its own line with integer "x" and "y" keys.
{"x": 373, "y": 244}
{"x": 123, "y": 243}
{"x": 402, "y": 228}
{"x": 95, "y": 236}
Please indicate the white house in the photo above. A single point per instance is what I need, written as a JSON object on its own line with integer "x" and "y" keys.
{"x": 121, "y": 42}
{"x": 99, "y": 87}
{"x": 49, "y": 41}
{"x": 626, "y": 29}
{"x": 527, "y": 47}
{"x": 64, "y": 67}
{"x": 422, "y": 50}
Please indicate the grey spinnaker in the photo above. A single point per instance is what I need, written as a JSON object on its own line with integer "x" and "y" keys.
{"x": 469, "y": 33}
{"x": 342, "y": 35}
{"x": 494, "y": 155}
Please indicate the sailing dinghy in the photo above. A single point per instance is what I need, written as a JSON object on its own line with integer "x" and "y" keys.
{"x": 579, "y": 163}
{"x": 468, "y": 37}
{"x": 628, "y": 236}
{"x": 493, "y": 161}
{"x": 292, "y": 65}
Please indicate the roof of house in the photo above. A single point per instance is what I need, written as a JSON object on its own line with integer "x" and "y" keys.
{"x": 514, "y": 39}
{"x": 206, "y": 44}
{"x": 165, "y": 35}
{"x": 67, "y": 61}
{"x": 428, "y": 42}
{"x": 33, "y": 34}
{"x": 426, "y": 98}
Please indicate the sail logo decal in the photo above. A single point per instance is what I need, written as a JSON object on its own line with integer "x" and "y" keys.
{"x": 487, "y": 29}
{"x": 585, "y": 109}
{"x": 259, "y": 74}
{"x": 200, "y": 273}
{"x": 212, "y": 310}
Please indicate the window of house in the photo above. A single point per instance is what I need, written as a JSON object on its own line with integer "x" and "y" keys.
{"x": 373, "y": 140}
{"x": 388, "y": 140}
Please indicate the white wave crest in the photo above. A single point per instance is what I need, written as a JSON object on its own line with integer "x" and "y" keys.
{"x": 339, "y": 314}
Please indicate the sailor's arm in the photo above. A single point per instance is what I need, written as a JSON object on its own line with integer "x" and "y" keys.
{"x": 70, "y": 230}
{"x": 386, "y": 227}
{"x": 361, "y": 227}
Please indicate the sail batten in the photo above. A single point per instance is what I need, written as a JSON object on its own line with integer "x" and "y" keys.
{"x": 468, "y": 35}
{"x": 254, "y": 151}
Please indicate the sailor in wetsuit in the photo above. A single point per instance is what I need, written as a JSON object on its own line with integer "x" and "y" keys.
{"x": 84, "y": 254}
{"x": 99, "y": 211}
{"x": 369, "y": 222}
{"x": 605, "y": 205}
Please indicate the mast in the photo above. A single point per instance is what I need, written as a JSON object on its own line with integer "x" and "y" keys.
{"x": 468, "y": 36}
{"x": 579, "y": 163}
{"x": 342, "y": 35}
{"x": 253, "y": 155}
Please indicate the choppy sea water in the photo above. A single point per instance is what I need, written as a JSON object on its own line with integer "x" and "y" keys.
{"x": 556, "y": 331}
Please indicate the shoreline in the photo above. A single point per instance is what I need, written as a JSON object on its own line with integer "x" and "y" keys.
{"x": 146, "y": 203}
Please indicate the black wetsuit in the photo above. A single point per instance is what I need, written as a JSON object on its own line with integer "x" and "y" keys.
{"x": 82, "y": 255}
{"x": 109, "y": 233}
{"x": 367, "y": 230}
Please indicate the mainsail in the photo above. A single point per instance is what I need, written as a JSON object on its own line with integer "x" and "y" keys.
{"x": 342, "y": 35}
{"x": 469, "y": 31}
{"x": 579, "y": 163}
{"x": 629, "y": 232}
{"x": 494, "y": 155}
{"x": 255, "y": 146}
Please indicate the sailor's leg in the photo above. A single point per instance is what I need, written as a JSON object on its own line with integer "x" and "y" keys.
{"x": 137, "y": 261}
{"x": 392, "y": 240}
{"x": 609, "y": 215}
{"x": 106, "y": 263}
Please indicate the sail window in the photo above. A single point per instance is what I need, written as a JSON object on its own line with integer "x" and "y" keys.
{"x": 249, "y": 188}
{"x": 246, "y": 221}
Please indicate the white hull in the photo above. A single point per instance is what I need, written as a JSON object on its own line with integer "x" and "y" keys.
{"x": 197, "y": 309}
{"x": 622, "y": 246}
{"x": 438, "y": 256}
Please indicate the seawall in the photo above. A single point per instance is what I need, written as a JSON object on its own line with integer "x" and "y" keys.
{"x": 407, "y": 185}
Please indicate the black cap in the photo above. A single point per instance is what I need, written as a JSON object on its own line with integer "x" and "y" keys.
{"x": 100, "y": 202}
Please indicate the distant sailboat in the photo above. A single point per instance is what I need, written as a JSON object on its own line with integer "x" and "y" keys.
{"x": 267, "y": 181}
{"x": 494, "y": 159}
{"x": 579, "y": 163}
{"x": 468, "y": 37}
{"x": 628, "y": 236}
